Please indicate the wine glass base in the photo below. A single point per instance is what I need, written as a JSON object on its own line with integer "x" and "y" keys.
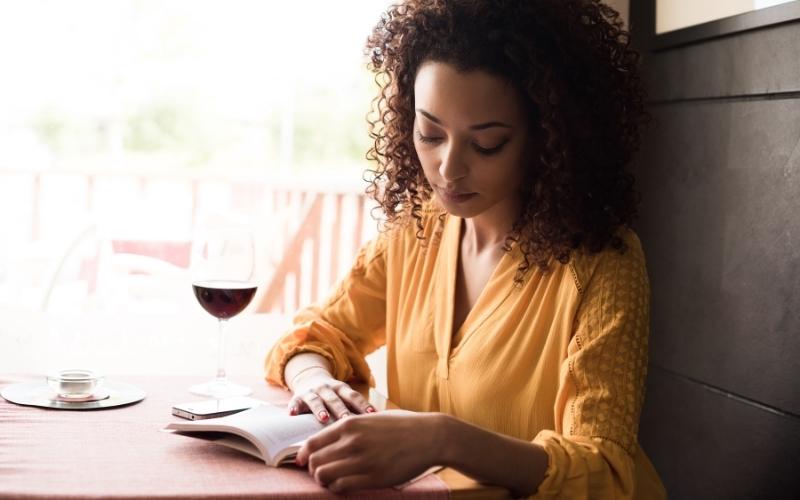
{"x": 220, "y": 389}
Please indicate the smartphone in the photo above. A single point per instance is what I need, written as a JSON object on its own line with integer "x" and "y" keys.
{"x": 213, "y": 408}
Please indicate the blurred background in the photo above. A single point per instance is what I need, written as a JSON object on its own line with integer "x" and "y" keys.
{"x": 126, "y": 125}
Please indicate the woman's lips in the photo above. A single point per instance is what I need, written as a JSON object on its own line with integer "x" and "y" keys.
{"x": 454, "y": 196}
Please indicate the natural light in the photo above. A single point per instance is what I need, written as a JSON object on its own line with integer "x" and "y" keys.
{"x": 127, "y": 125}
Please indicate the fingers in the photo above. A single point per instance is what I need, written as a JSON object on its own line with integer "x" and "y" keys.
{"x": 354, "y": 399}
{"x": 340, "y": 474}
{"x": 323, "y": 438}
{"x": 323, "y": 402}
{"x": 321, "y": 456}
{"x": 297, "y": 406}
{"x": 326, "y": 401}
{"x": 316, "y": 405}
{"x": 351, "y": 483}
{"x": 334, "y": 403}
{"x": 344, "y": 457}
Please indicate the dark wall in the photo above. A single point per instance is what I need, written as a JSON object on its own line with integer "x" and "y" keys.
{"x": 720, "y": 224}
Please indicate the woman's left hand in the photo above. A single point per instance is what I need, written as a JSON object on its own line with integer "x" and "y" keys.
{"x": 374, "y": 450}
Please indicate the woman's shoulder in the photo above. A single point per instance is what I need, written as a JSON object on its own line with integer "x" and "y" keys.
{"x": 403, "y": 238}
{"x": 626, "y": 263}
{"x": 411, "y": 229}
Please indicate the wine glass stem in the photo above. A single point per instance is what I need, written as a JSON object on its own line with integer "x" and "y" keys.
{"x": 222, "y": 376}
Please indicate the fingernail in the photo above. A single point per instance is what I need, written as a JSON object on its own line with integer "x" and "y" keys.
{"x": 297, "y": 461}
{"x": 371, "y": 409}
{"x": 293, "y": 410}
{"x": 344, "y": 415}
{"x": 323, "y": 415}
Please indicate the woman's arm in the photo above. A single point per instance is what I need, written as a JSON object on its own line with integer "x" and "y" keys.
{"x": 491, "y": 457}
{"x": 303, "y": 364}
{"x": 387, "y": 448}
{"x": 308, "y": 375}
{"x": 328, "y": 341}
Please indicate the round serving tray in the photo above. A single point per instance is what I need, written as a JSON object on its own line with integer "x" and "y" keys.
{"x": 39, "y": 394}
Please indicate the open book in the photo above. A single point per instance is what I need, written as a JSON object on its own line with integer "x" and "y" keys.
{"x": 267, "y": 432}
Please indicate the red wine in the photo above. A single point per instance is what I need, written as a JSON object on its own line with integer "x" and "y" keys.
{"x": 224, "y": 299}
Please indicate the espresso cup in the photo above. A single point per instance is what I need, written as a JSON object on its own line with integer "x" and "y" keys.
{"x": 75, "y": 383}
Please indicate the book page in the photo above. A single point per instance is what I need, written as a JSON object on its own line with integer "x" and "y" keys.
{"x": 270, "y": 428}
{"x": 274, "y": 427}
{"x": 237, "y": 443}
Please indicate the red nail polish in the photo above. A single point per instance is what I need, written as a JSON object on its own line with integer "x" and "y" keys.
{"x": 323, "y": 415}
{"x": 293, "y": 410}
{"x": 370, "y": 409}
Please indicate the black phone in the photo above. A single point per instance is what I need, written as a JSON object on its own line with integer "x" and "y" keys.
{"x": 213, "y": 408}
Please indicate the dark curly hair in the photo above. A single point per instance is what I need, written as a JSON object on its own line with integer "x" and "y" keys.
{"x": 572, "y": 62}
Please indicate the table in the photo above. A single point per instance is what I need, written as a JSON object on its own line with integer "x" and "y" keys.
{"x": 121, "y": 453}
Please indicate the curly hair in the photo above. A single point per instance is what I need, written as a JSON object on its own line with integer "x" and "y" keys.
{"x": 572, "y": 62}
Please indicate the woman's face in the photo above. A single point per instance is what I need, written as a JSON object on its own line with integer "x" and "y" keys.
{"x": 471, "y": 136}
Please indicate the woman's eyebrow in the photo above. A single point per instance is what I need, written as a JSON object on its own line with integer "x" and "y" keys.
{"x": 478, "y": 126}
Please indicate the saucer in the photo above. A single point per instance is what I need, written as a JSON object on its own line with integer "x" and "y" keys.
{"x": 110, "y": 395}
{"x": 99, "y": 395}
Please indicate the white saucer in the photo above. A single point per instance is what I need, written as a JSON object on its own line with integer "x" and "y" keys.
{"x": 100, "y": 394}
{"x": 111, "y": 395}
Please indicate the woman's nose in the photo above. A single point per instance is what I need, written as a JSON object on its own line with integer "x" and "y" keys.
{"x": 452, "y": 166}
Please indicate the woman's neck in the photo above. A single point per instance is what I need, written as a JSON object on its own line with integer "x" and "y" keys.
{"x": 488, "y": 230}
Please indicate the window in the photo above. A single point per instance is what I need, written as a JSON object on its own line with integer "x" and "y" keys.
{"x": 126, "y": 124}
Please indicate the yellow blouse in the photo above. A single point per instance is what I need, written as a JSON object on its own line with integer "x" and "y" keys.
{"x": 560, "y": 360}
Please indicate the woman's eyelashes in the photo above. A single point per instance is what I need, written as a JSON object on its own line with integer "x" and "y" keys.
{"x": 426, "y": 139}
{"x": 429, "y": 139}
{"x": 489, "y": 151}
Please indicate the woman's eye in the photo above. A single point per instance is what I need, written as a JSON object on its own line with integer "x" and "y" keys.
{"x": 489, "y": 151}
{"x": 430, "y": 139}
{"x": 426, "y": 139}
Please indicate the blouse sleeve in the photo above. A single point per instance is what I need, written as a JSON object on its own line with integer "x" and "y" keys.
{"x": 591, "y": 451}
{"x": 346, "y": 327}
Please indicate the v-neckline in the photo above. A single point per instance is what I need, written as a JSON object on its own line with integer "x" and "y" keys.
{"x": 494, "y": 293}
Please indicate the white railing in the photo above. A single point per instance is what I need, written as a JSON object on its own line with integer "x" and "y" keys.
{"x": 309, "y": 229}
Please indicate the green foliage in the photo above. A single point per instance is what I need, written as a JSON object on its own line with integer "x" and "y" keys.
{"x": 64, "y": 134}
{"x": 330, "y": 127}
{"x": 177, "y": 88}
{"x": 174, "y": 125}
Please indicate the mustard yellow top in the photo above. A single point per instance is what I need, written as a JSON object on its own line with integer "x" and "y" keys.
{"x": 560, "y": 360}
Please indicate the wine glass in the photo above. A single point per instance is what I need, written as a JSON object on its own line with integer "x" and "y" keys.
{"x": 222, "y": 270}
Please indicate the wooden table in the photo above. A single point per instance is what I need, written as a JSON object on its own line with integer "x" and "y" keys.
{"x": 120, "y": 453}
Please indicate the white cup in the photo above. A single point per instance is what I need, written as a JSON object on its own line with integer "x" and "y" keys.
{"x": 75, "y": 383}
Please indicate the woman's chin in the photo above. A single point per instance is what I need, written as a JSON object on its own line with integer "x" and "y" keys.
{"x": 465, "y": 209}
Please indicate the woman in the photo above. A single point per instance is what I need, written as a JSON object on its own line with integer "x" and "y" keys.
{"x": 508, "y": 288}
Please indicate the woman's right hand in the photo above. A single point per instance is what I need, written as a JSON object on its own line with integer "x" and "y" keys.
{"x": 316, "y": 391}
